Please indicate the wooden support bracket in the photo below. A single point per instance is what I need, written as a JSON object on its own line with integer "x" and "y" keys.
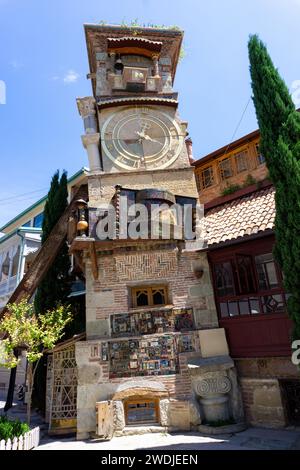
{"x": 94, "y": 262}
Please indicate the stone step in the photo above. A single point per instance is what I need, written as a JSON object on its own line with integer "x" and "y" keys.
{"x": 137, "y": 430}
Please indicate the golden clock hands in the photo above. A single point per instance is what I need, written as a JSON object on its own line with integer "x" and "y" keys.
{"x": 147, "y": 137}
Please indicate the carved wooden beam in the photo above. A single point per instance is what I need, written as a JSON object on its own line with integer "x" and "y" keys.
{"x": 46, "y": 254}
{"x": 79, "y": 261}
{"x": 94, "y": 262}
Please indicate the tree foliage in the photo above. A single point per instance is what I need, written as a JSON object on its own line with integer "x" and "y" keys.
{"x": 55, "y": 287}
{"x": 279, "y": 125}
{"x": 24, "y": 330}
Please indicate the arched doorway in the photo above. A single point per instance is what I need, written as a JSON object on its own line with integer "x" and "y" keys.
{"x": 140, "y": 403}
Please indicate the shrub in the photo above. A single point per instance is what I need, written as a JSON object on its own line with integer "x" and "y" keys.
{"x": 232, "y": 188}
{"x": 12, "y": 428}
{"x": 249, "y": 181}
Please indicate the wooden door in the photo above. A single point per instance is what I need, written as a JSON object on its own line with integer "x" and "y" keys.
{"x": 104, "y": 417}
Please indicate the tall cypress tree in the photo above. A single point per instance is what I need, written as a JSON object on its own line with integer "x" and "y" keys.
{"x": 55, "y": 287}
{"x": 279, "y": 125}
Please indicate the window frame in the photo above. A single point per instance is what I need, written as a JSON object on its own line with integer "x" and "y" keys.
{"x": 139, "y": 401}
{"x": 201, "y": 177}
{"x": 220, "y": 163}
{"x": 244, "y": 153}
{"x": 258, "y": 155}
{"x": 37, "y": 217}
{"x": 149, "y": 289}
{"x": 252, "y": 249}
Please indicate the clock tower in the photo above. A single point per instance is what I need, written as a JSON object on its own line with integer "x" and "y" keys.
{"x": 150, "y": 311}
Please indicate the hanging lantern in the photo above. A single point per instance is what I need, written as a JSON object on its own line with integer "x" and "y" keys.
{"x": 82, "y": 224}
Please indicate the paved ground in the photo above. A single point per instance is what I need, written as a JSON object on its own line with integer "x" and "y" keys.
{"x": 251, "y": 439}
{"x": 20, "y": 411}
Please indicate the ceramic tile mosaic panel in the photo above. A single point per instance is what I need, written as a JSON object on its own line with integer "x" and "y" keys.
{"x": 156, "y": 356}
{"x": 152, "y": 322}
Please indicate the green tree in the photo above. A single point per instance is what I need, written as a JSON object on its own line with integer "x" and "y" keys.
{"x": 279, "y": 125}
{"x": 55, "y": 287}
{"x": 24, "y": 330}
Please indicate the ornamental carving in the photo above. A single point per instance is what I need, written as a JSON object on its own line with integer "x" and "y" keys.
{"x": 86, "y": 106}
{"x": 213, "y": 386}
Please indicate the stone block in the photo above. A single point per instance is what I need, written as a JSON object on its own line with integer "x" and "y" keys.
{"x": 105, "y": 298}
{"x": 119, "y": 418}
{"x": 82, "y": 352}
{"x": 179, "y": 415}
{"x": 195, "y": 416}
{"x": 89, "y": 373}
{"x": 267, "y": 416}
{"x": 86, "y": 420}
{"x": 267, "y": 395}
{"x": 213, "y": 342}
{"x": 205, "y": 318}
{"x": 97, "y": 328}
{"x": 164, "y": 412}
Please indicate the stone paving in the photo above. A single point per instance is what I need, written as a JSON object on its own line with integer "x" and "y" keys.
{"x": 19, "y": 410}
{"x": 251, "y": 439}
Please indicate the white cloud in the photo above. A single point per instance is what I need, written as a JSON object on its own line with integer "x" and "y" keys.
{"x": 71, "y": 77}
{"x": 16, "y": 64}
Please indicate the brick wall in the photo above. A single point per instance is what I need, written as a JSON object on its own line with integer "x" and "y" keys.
{"x": 262, "y": 402}
{"x": 260, "y": 385}
{"x": 119, "y": 272}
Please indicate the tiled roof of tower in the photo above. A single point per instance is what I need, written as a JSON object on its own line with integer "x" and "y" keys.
{"x": 246, "y": 215}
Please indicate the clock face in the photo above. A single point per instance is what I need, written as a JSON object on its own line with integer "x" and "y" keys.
{"x": 141, "y": 138}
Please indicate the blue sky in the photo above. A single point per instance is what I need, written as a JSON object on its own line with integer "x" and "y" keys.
{"x": 43, "y": 63}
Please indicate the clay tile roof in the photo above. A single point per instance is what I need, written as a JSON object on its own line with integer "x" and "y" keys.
{"x": 246, "y": 215}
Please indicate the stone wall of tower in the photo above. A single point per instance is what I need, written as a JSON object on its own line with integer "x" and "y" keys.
{"x": 109, "y": 295}
{"x": 172, "y": 362}
{"x": 120, "y": 271}
{"x": 179, "y": 182}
